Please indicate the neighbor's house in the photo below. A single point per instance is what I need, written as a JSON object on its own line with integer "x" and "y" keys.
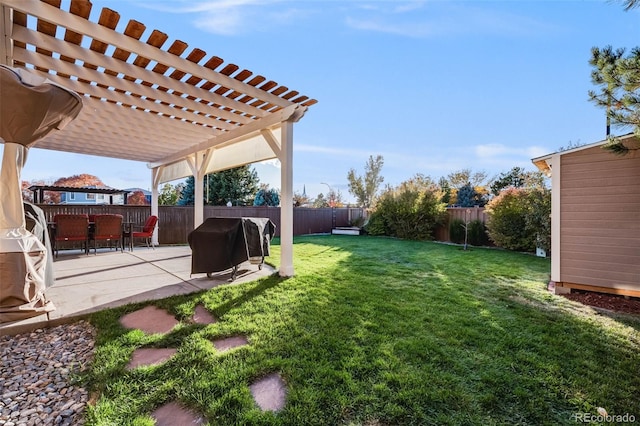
{"x": 595, "y": 218}
{"x": 90, "y": 198}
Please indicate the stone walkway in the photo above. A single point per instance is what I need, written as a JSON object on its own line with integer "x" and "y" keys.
{"x": 269, "y": 392}
{"x": 36, "y": 386}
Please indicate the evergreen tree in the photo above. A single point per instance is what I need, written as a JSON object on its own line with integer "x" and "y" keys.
{"x": 187, "y": 196}
{"x": 517, "y": 177}
{"x": 237, "y": 185}
{"x": 446, "y": 190}
{"x": 267, "y": 197}
{"x": 467, "y": 196}
{"x": 618, "y": 78}
{"x": 471, "y": 196}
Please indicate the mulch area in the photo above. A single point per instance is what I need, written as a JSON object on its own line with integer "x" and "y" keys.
{"x": 611, "y": 302}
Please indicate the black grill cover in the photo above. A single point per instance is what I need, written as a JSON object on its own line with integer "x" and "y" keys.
{"x": 221, "y": 243}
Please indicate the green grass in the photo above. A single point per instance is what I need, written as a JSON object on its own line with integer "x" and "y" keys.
{"x": 378, "y": 331}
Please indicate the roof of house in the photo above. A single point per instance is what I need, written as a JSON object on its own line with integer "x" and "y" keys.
{"x": 144, "y": 191}
{"x": 85, "y": 190}
{"x": 146, "y": 98}
{"x": 542, "y": 163}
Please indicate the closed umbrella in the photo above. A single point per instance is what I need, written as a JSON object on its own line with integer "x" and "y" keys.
{"x": 30, "y": 108}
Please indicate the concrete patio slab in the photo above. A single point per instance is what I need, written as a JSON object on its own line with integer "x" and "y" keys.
{"x": 223, "y": 345}
{"x": 174, "y": 414}
{"x": 149, "y": 319}
{"x": 86, "y": 284}
{"x": 149, "y": 356}
{"x": 269, "y": 393}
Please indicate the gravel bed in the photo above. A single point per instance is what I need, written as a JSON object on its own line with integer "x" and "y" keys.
{"x": 36, "y": 384}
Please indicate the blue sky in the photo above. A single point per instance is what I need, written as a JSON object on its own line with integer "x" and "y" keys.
{"x": 432, "y": 86}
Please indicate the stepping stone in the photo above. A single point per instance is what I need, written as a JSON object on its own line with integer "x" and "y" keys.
{"x": 269, "y": 392}
{"x": 150, "y": 356}
{"x": 174, "y": 414}
{"x": 202, "y": 316}
{"x": 150, "y": 320}
{"x": 230, "y": 343}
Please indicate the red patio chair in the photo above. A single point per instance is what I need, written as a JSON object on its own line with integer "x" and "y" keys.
{"x": 70, "y": 228}
{"x": 147, "y": 231}
{"x": 108, "y": 227}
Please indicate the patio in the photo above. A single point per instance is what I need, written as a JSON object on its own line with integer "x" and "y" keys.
{"x": 133, "y": 93}
{"x": 86, "y": 284}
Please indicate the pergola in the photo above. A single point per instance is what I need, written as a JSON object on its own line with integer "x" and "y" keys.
{"x": 38, "y": 191}
{"x": 181, "y": 112}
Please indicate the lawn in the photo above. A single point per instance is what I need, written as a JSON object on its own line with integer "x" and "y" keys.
{"x": 377, "y": 331}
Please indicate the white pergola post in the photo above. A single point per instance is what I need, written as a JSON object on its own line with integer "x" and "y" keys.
{"x": 154, "y": 202}
{"x": 198, "y": 191}
{"x": 286, "y": 200}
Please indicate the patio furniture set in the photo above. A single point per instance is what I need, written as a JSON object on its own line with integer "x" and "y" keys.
{"x": 218, "y": 244}
{"x": 83, "y": 229}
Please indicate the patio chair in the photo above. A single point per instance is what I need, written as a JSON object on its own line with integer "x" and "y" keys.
{"x": 147, "y": 231}
{"x": 108, "y": 227}
{"x": 71, "y": 228}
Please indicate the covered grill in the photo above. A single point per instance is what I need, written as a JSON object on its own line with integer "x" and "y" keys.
{"x": 222, "y": 243}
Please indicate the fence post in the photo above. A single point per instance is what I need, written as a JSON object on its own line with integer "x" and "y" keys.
{"x": 333, "y": 217}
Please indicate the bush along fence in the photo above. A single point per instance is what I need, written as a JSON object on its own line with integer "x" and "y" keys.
{"x": 457, "y": 219}
{"x": 175, "y": 222}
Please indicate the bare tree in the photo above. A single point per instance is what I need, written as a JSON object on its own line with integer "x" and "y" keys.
{"x": 365, "y": 188}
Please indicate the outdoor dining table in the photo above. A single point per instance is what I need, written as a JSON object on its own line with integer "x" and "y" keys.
{"x": 127, "y": 229}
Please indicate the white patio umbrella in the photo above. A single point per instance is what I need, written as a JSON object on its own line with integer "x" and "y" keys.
{"x": 30, "y": 108}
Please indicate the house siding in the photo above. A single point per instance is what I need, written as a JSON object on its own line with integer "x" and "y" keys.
{"x": 600, "y": 219}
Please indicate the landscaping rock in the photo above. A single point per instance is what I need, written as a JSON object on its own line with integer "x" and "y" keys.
{"x": 36, "y": 385}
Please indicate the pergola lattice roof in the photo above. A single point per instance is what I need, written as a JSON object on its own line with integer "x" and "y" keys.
{"x": 146, "y": 99}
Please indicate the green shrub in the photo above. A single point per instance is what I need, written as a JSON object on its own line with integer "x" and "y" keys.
{"x": 411, "y": 210}
{"x": 539, "y": 216}
{"x": 375, "y": 225}
{"x": 456, "y": 231}
{"x": 477, "y": 235}
{"x": 476, "y": 232}
{"x": 519, "y": 219}
{"x": 358, "y": 221}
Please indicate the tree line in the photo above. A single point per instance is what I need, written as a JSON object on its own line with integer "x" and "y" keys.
{"x": 518, "y": 203}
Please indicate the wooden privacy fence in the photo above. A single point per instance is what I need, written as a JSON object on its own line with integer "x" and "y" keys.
{"x": 175, "y": 223}
{"x": 463, "y": 213}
